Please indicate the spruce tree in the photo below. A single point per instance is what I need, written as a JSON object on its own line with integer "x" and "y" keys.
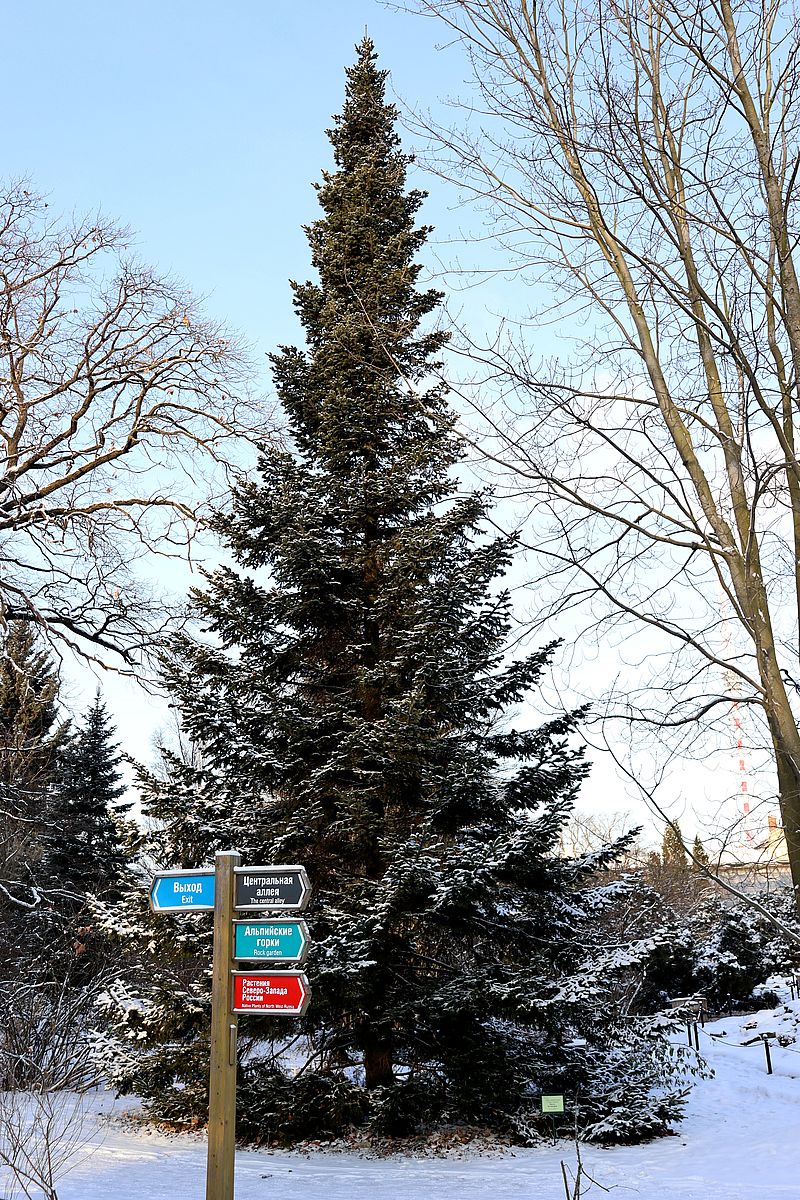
{"x": 86, "y": 853}
{"x": 349, "y": 703}
{"x": 86, "y": 843}
{"x": 31, "y": 736}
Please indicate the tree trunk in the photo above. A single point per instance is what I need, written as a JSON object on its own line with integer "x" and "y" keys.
{"x": 782, "y": 726}
{"x": 789, "y": 798}
{"x": 378, "y": 1067}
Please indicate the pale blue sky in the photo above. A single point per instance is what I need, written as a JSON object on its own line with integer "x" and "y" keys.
{"x": 201, "y": 125}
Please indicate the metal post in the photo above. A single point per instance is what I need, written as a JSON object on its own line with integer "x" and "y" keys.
{"x": 222, "y": 1074}
{"x": 765, "y": 1039}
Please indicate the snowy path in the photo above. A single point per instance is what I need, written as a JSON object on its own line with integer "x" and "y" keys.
{"x": 740, "y": 1141}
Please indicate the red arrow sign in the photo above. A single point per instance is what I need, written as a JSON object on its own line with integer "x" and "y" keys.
{"x": 283, "y": 993}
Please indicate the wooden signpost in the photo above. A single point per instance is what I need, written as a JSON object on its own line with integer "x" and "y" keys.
{"x": 231, "y": 887}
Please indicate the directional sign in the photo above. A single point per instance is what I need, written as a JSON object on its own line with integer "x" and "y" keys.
{"x": 280, "y": 993}
{"x": 275, "y": 941}
{"x": 271, "y": 887}
{"x": 182, "y": 891}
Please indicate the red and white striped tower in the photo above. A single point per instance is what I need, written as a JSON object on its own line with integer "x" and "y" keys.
{"x": 748, "y": 832}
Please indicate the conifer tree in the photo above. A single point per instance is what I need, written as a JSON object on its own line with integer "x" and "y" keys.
{"x": 673, "y": 851}
{"x": 700, "y": 859}
{"x": 350, "y": 707}
{"x": 86, "y": 854}
{"x": 86, "y": 843}
{"x": 31, "y": 736}
{"x": 669, "y": 872}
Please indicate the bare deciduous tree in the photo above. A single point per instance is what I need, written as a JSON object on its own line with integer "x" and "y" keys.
{"x": 46, "y": 1067}
{"x": 116, "y": 410}
{"x": 587, "y": 833}
{"x": 641, "y": 159}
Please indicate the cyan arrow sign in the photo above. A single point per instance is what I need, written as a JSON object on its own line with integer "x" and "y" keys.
{"x": 274, "y": 941}
{"x": 182, "y": 891}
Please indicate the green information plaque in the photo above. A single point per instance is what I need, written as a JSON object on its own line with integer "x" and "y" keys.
{"x": 552, "y": 1104}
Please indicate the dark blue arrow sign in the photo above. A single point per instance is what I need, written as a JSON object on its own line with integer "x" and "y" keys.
{"x": 182, "y": 891}
{"x": 271, "y": 887}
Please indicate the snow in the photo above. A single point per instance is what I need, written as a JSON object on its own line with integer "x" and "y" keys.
{"x": 738, "y": 1142}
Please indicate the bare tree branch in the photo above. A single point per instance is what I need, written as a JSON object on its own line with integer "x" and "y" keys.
{"x": 122, "y": 410}
{"x": 640, "y": 161}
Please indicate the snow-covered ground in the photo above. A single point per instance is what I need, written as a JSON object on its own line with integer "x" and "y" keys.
{"x": 740, "y": 1141}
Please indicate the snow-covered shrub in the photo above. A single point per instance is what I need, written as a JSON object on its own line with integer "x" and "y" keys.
{"x": 642, "y": 1085}
{"x": 156, "y": 1040}
{"x": 729, "y": 959}
{"x": 781, "y": 942}
{"x": 766, "y": 997}
{"x": 627, "y": 1085}
{"x": 720, "y": 949}
{"x": 737, "y": 948}
{"x": 275, "y": 1109}
{"x": 669, "y": 968}
{"x": 418, "y": 1103}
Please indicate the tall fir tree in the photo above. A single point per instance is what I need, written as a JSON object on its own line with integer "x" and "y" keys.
{"x": 349, "y": 703}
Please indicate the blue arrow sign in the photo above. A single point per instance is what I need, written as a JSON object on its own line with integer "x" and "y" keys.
{"x": 274, "y": 941}
{"x": 182, "y": 891}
